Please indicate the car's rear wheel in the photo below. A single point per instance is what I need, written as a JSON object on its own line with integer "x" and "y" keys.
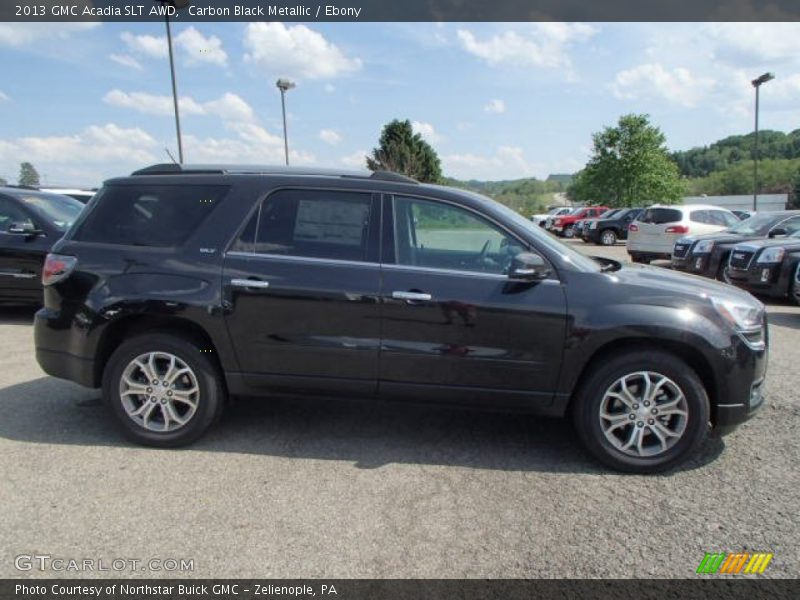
{"x": 642, "y": 412}
{"x": 608, "y": 237}
{"x": 794, "y": 286}
{"x": 163, "y": 390}
{"x": 569, "y": 232}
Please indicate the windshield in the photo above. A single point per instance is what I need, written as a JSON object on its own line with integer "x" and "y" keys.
{"x": 60, "y": 211}
{"x": 757, "y": 225}
{"x": 609, "y": 213}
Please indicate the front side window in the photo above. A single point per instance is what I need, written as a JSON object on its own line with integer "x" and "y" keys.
{"x": 148, "y": 215}
{"x": 12, "y": 215}
{"x": 60, "y": 211}
{"x": 310, "y": 223}
{"x": 442, "y": 236}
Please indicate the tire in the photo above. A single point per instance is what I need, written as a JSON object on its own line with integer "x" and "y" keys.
{"x": 794, "y": 286}
{"x": 569, "y": 232}
{"x": 722, "y": 272}
{"x": 157, "y": 428}
{"x": 651, "y": 455}
{"x": 608, "y": 237}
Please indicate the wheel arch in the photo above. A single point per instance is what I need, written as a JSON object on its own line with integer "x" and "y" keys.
{"x": 693, "y": 357}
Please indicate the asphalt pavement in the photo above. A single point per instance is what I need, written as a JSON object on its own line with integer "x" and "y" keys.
{"x": 333, "y": 489}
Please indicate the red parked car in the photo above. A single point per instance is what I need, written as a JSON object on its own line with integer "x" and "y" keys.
{"x": 564, "y": 226}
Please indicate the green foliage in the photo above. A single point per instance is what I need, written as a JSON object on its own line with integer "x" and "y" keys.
{"x": 527, "y": 196}
{"x": 28, "y": 175}
{"x": 402, "y": 151}
{"x": 775, "y": 176}
{"x": 630, "y": 166}
{"x": 3, "y": 181}
{"x": 730, "y": 151}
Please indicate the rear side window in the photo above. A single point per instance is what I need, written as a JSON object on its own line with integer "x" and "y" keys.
{"x": 149, "y": 215}
{"x": 658, "y": 216}
{"x": 310, "y": 223}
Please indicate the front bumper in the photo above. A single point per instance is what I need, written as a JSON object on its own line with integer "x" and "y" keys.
{"x": 761, "y": 279}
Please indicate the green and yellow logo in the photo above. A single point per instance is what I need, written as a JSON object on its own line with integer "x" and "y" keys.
{"x": 733, "y": 564}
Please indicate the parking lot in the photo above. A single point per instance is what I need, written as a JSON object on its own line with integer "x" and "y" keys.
{"x": 338, "y": 489}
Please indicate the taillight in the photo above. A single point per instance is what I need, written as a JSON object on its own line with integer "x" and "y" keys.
{"x": 678, "y": 229}
{"x": 57, "y": 267}
{"x": 633, "y": 227}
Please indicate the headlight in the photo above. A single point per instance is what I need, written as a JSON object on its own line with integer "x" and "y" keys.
{"x": 740, "y": 314}
{"x": 703, "y": 247}
{"x": 771, "y": 255}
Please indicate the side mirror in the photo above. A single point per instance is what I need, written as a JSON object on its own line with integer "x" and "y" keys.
{"x": 24, "y": 229}
{"x": 777, "y": 231}
{"x": 527, "y": 266}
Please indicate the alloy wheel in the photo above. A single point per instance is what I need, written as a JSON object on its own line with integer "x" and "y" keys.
{"x": 643, "y": 414}
{"x": 609, "y": 238}
{"x": 159, "y": 391}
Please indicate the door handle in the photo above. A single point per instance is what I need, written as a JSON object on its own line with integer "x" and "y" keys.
{"x": 250, "y": 283}
{"x": 411, "y": 296}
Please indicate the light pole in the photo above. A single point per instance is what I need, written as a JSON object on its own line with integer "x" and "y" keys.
{"x": 176, "y": 4}
{"x": 757, "y": 83}
{"x": 284, "y": 85}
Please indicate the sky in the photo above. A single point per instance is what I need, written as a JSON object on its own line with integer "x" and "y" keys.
{"x": 88, "y": 101}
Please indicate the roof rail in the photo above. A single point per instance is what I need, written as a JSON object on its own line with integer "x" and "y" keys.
{"x": 392, "y": 176}
{"x": 175, "y": 169}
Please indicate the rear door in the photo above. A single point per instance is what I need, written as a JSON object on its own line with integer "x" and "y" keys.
{"x": 301, "y": 284}
{"x": 21, "y": 255}
{"x": 454, "y": 327}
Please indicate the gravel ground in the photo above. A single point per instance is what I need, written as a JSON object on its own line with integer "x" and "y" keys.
{"x": 339, "y": 489}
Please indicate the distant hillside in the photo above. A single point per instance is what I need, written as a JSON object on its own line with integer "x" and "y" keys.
{"x": 527, "y": 196}
{"x": 728, "y": 152}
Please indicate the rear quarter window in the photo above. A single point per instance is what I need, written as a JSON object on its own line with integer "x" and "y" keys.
{"x": 148, "y": 215}
{"x": 658, "y": 216}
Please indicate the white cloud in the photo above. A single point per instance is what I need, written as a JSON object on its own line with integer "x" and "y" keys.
{"x": 193, "y": 46}
{"x": 495, "y": 106}
{"x": 329, "y": 136}
{"x": 755, "y": 42}
{"x": 356, "y": 160}
{"x": 544, "y": 45}
{"x": 330, "y": 88}
{"x": 126, "y": 60}
{"x": 4, "y": 97}
{"x": 295, "y": 51}
{"x": 678, "y": 85}
{"x": 148, "y": 45}
{"x": 427, "y": 131}
{"x": 228, "y": 107}
{"x": 201, "y": 49}
{"x": 109, "y": 143}
{"x": 507, "y": 162}
{"x": 22, "y": 34}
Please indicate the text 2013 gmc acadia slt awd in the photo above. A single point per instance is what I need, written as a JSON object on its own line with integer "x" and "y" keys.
{"x": 180, "y": 286}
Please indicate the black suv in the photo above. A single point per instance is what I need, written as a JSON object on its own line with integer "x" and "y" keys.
{"x": 30, "y": 223}
{"x": 768, "y": 267}
{"x": 609, "y": 230}
{"x": 708, "y": 254}
{"x": 181, "y": 286}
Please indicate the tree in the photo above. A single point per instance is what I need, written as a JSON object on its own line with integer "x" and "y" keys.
{"x": 630, "y": 166}
{"x": 28, "y": 175}
{"x": 403, "y": 151}
{"x": 3, "y": 181}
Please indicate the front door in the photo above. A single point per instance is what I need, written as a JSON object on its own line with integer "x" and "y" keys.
{"x": 302, "y": 284}
{"x": 454, "y": 326}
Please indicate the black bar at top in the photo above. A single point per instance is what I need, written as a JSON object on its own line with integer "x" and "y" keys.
{"x": 407, "y": 10}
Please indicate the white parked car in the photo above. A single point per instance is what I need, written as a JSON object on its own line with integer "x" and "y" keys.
{"x": 554, "y": 212}
{"x": 654, "y": 233}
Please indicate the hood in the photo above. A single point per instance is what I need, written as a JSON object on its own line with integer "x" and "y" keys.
{"x": 786, "y": 242}
{"x": 663, "y": 286}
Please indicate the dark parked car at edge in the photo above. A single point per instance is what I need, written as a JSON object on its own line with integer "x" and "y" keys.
{"x": 179, "y": 287}
{"x": 30, "y": 223}
{"x": 708, "y": 254}
{"x": 768, "y": 267}
{"x": 607, "y": 231}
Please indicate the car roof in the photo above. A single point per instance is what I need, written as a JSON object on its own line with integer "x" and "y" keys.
{"x": 690, "y": 207}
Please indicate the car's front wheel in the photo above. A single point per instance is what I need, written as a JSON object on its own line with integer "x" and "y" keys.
{"x": 608, "y": 237}
{"x": 794, "y": 286}
{"x": 162, "y": 389}
{"x": 642, "y": 412}
{"x": 569, "y": 232}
